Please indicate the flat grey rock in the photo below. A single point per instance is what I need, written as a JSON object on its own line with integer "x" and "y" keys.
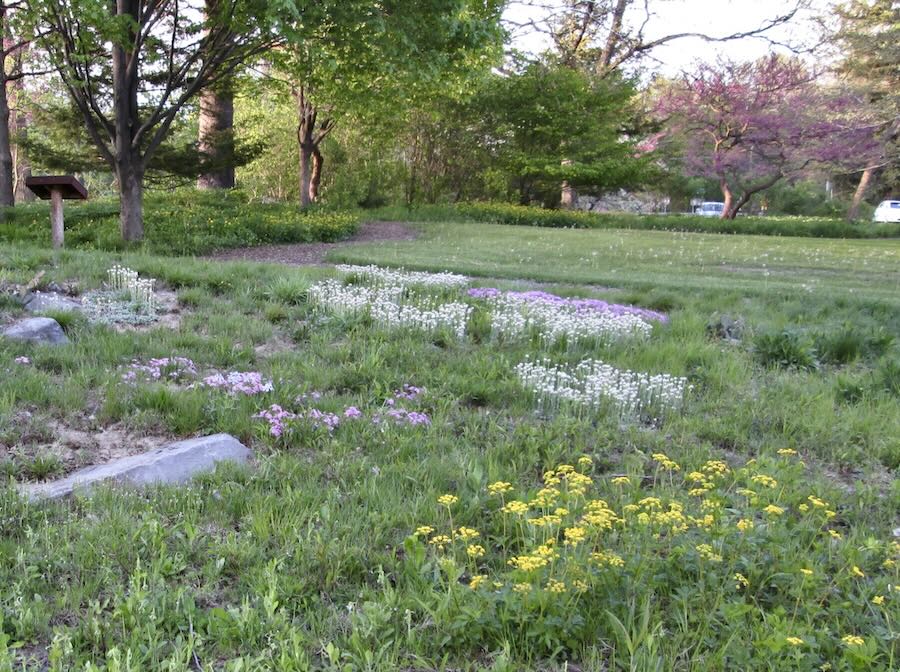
{"x": 172, "y": 464}
{"x": 37, "y": 330}
{"x": 41, "y": 302}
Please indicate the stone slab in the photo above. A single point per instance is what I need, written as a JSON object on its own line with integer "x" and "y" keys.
{"x": 37, "y": 330}
{"x": 173, "y": 464}
{"x": 41, "y": 302}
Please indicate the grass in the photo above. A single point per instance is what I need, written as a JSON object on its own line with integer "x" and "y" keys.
{"x": 773, "y": 225}
{"x": 183, "y": 222}
{"x": 311, "y": 561}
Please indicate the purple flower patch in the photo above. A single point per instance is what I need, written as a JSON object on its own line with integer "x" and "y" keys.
{"x": 160, "y": 369}
{"x": 239, "y": 382}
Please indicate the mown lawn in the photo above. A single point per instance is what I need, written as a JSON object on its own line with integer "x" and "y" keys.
{"x": 750, "y": 530}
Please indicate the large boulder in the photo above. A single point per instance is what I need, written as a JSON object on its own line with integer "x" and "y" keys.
{"x": 42, "y": 302}
{"x": 37, "y": 330}
{"x": 172, "y": 464}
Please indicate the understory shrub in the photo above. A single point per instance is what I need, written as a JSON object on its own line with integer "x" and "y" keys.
{"x": 784, "y": 349}
{"x": 183, "y": 222}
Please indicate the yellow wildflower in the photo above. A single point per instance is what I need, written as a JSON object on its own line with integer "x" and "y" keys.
{"x": 466, "y": 533}
{"x": 742, "y": 581}
{"x": 476, "y": 581}
{"x": 707, "y": 553}
{"x": 835, "y": 534}
{"x": 804, "y": 507}
{"x": 565, "y": 469}
{"x": 475, "y": 551}
{"x": 696, "y": 477}
{"x": 579, "y": 585}
{"x": 744, "y": 524}
{"x": 574, "y": 535}
{"x": 806, "y": 572}
{"x": 550, "y": 478}
{"x": 440, "y": 540}
{"x": 830, "y": 514}
{"x": 585, "y": 461}
{"x": 787, "y": 451}
{"x": 522, "y": 587}
{"x": 853, "y": 640}
{"x": 716, "y": 468}
{"x": 773, "y": 510}
{"x": 665, "y": 462}
{"x": 516, "y": 507}
{"x": 889, "y": 563}
{"x": 856, "y": 571}
{"x": 878, "y": 599}
{"x": 555, "y": 586}
{"x": 621, "y": 480}
{"x": 698, "y": 492}
{"x": 794, "y": 641}
{"x": 608, "y": 559}
{"x": 765, "y": 481}
{"x": 424, "y": 530}
{"x": 448, "y": 500}
{"x": 499, "y": 487}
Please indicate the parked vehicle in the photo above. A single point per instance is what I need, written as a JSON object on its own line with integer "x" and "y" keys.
{"x": 710, "y": 209}
{"x": 887, "y": 211}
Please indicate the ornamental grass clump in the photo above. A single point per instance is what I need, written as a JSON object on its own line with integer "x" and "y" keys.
{"x": 598, "y": 386}
{"x": 703, "y": 551}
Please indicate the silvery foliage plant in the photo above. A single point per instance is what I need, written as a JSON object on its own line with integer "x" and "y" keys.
{"x": 597, "y": 385}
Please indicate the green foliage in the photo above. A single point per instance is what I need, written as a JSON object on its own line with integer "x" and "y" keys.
{"x": 183, "y": 222}
{"x": 305, "y": 560}
{"x": 784, "y": 349}
{"x": 502, "y": 213}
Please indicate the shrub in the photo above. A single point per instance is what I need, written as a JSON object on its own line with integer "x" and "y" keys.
{"x": 784, "y": 349}
{"x": 183, "y": 222}
{"x": 505, "y": 213}
{"x": 840, "y": 347}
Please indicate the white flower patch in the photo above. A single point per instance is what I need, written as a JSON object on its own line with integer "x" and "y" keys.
{"x": 513, "y": 317}
{"x": 375, "y": 275}
{"x": 596, "y": 384}
{"x": 390, "y": 307}
{"x": 140, "y": 290}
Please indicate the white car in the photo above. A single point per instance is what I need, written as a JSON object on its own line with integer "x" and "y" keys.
{"x": 887, "y": 211}
{"x": 710, "y": 209}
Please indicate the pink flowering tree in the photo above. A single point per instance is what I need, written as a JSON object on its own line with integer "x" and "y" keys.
{"x": 750, "y": 125}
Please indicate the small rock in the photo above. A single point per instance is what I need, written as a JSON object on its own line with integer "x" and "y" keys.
{"x": 39, "y": 303}
{"x": 172, "y": 464}
{"x": 897, "y": 532}
{"x": 37, "y": 330}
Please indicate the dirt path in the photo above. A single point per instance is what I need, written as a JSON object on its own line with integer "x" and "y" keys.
{"x": 303, "y": 254}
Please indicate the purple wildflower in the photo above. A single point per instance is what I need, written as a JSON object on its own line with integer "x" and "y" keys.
{"x": 352, "y": 412}
{"x": 22, "y": 360}
{"x": 239, "y": 382}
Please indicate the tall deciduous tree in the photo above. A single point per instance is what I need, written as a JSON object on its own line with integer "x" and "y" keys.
{"x": 750, "y": 125}
{"x": 360, "y": 55}
{"x": 12, "y": 72}
{"x": 868, "y": 34}
{"x": 130, "y": 67}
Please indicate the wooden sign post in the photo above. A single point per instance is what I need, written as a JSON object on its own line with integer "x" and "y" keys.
{"x": 57, "y": 188}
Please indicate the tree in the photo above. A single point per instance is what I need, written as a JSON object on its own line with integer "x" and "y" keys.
{"x": 131, "y": 66}
{"x": 216, "y": 128}
{"x": 605, "y": 36}
{"x": 750, "y": 125}
{"x": 371, "y": 57}
{"x": 550, "y": 124}
{"x": 868, "y": 34}
{"x": 12, "y": 71}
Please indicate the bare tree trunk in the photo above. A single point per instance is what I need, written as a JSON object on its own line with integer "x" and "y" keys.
{"x": 216, "y": 136}
{"x": 128, "y": 160}
{"x": 859, "y": 194}
{"x": 728, "y": 197}
{"x": 6, "y": 161}
{"x": 568, "y": 196}
{"x": 315, "y": 180}
{"x": 131, "y": 200}
{"x": 306, "y": 115}
{"x": 21, "y": 164}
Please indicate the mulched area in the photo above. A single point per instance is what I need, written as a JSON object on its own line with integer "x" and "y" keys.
{"x": 305, "y": 254}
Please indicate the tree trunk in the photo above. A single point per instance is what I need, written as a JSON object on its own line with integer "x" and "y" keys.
{"x": 568, "y": 196}
{"x": 216, "y": 136}
{"x": 6, "y": 161}
{"x": 128, "y": 160}
{"x": 306, "y": 125}
{"x": 728, "y": 198}
{"x": 18, "y": 131}
{"x": 315, "y": 180}
{"x": 859, "y": 194}
{"x": 131, "y": 199}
